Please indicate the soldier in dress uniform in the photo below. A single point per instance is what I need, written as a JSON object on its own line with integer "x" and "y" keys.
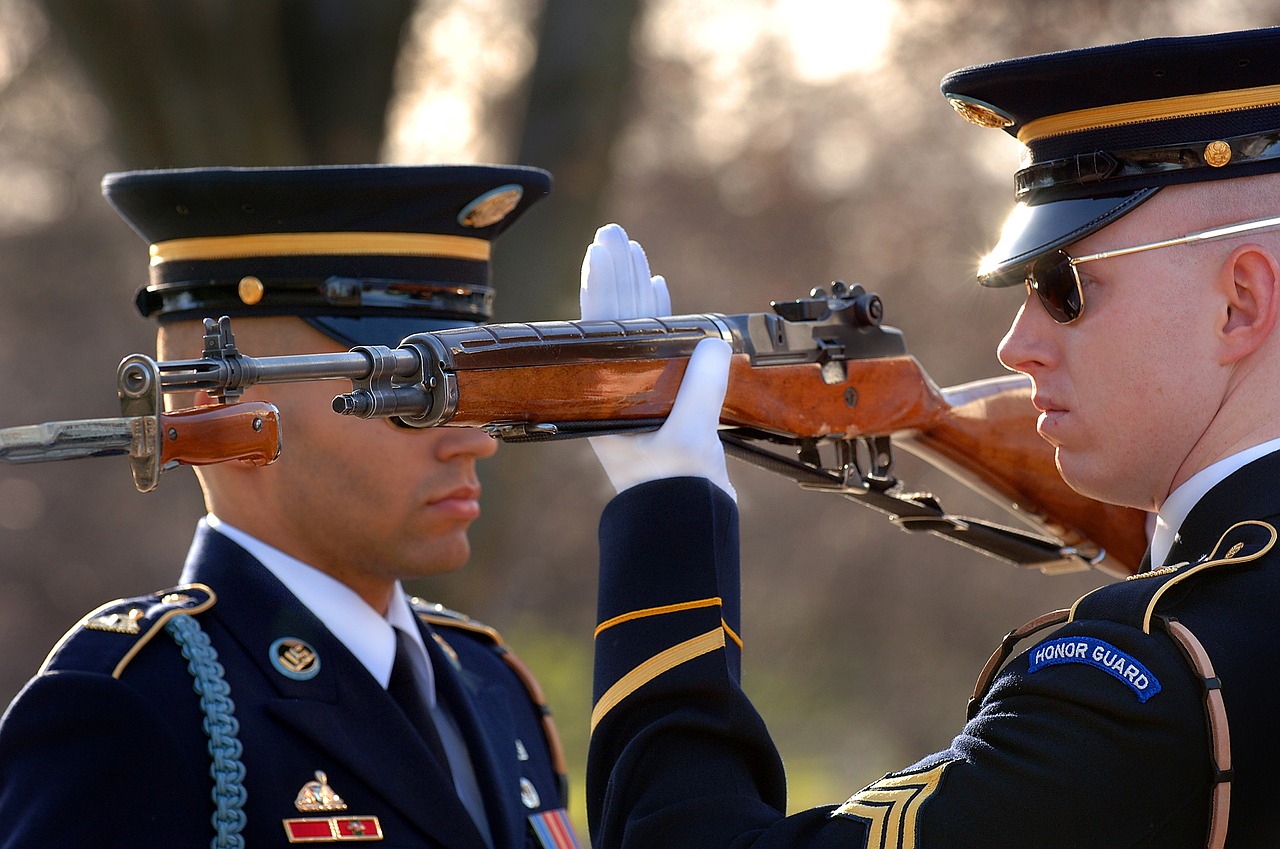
{"x": 287, "y": 690}
{"x": 1146, "y": 238}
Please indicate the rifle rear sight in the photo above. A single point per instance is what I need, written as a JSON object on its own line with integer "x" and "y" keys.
{"x": 853, "y": 304}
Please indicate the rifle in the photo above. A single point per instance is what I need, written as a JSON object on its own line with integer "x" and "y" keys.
{"x": 819, "y": 391}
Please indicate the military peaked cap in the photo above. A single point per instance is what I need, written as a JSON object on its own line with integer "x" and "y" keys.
{"x": 367, "y": 254}
{"x": 1105, "y": 128}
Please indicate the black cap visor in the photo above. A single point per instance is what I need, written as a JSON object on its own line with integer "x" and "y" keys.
{"x": 1032, "y": 231}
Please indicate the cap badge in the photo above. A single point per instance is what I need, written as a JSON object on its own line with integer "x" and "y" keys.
{"x": 294, "y": 658}
{"x": 977, "y": 112}
{"x": 491, "y": 207}
{"x": 1217, "y": 154}
{"x": 318, "y": 796}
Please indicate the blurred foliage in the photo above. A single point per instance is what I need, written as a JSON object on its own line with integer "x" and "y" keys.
{"x": 757, "y": 148}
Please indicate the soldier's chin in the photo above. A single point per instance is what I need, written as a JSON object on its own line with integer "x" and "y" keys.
{"x": 1093, "y": 482}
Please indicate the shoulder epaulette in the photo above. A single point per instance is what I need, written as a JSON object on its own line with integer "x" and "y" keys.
{"x": 122, "y": 627}
{"x": 1134, "y": 601}
{"x": 439, "y": 615}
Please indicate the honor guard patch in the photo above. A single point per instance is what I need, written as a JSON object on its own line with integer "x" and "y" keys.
{"x": 1101, "y": 655}
{"x": 553, "y": 830}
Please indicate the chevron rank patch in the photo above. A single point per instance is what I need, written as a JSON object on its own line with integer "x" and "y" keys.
{"x": 1099, "y": 654}
{"x": 891, "y": 806}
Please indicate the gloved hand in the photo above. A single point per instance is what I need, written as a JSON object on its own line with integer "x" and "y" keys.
{"x": 616, "y": 284}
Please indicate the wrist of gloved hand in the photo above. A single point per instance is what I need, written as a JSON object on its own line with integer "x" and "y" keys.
{"x": 687, "y": 444}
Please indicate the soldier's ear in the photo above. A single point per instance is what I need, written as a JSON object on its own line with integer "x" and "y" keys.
{"x": 1249, "y": 283}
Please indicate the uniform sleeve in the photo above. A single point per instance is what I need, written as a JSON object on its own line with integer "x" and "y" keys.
{"x": 85, "y": 762}
{"x": 1097, "y": 741}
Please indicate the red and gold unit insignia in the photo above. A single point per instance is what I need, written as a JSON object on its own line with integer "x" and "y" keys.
{"x": 332, "y": 829}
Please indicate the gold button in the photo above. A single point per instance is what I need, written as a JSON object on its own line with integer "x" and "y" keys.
{"x": 250, "y": 290}
{"x": 1217, "y": 153}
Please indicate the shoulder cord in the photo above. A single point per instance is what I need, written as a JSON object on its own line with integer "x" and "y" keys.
{"x": 1215, "y": 711}
{"x": 220, "y": 726}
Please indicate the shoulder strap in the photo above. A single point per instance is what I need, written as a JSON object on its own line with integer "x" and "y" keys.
{"x": 1001, "y": 654}
{"x": 1215, "y": 712}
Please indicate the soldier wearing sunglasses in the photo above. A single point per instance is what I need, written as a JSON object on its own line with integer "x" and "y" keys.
{"x": 1147, "y": 237}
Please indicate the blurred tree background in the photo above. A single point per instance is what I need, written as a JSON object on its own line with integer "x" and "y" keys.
{"x": 757, "y": 148}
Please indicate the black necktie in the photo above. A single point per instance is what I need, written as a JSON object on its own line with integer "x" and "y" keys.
{"x": 405, "y": 689}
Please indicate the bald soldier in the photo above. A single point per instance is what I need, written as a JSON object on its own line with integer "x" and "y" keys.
{"x": 1146, "y": 240}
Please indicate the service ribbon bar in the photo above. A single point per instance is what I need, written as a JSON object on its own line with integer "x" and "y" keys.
{"x": 553, "y": 829}
{"x": 332, "y": 829}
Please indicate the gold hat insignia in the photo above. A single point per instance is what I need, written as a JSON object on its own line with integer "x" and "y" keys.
{"x": 491, "y": 207}
{"x": 977, "y": 112}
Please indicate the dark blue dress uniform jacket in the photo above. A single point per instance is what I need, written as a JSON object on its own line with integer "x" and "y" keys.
{"x": 88, "y": 759}
{"x": 1094, "y": 736}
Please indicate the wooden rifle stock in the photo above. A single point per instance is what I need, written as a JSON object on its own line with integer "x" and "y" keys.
{"x": 531, "y": 381}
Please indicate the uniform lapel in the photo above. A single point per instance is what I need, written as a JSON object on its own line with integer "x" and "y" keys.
{"x": 487, "y": 727}
{"x": 342, "y": 710}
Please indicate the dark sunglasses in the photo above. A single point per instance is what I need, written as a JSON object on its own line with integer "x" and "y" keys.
{"x": 1056, "y": 281}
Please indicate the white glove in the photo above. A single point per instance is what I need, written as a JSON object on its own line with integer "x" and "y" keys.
{"x": 616, "y": 281}
{"x": 616, "y": 284}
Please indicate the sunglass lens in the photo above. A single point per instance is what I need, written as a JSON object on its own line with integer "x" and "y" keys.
{"x": 1054, "y": 281}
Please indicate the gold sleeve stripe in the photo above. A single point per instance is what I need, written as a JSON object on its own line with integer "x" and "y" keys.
{"x": 653, "y": 667}
{"x": 891, "y": 806}
{"x": 1149, "y": 110}
{"x": 320, "y": 244}
{"x": 656, "y": 611}
{"x": 733, "y": 636}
